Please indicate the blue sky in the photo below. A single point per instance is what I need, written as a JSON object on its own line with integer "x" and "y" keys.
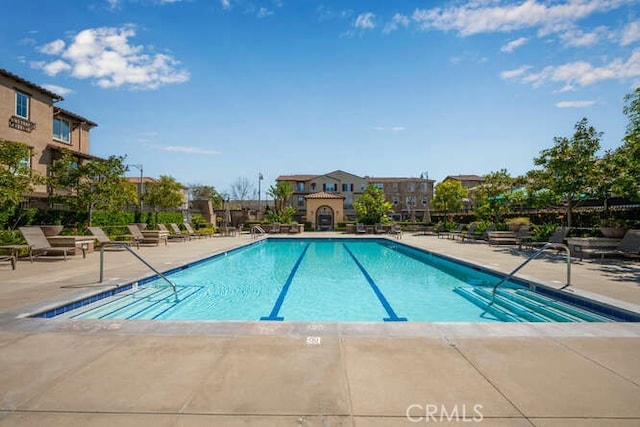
{"x": 208, "y": 91}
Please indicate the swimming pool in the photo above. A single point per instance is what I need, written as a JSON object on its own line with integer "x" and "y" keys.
{"x": 346, "y": 280}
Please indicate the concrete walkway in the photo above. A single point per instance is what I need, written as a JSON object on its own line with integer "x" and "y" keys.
{"x": 137, "y": 373}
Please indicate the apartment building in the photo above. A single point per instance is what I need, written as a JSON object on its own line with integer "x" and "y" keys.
{"x": 470, "y": 182}
{"x": 409, "y": 196}
{"x": 29, "y": 115}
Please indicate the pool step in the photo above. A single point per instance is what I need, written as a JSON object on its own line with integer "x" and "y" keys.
{"x": 527, "y": 305}
{"x": 156, "y": 308}
{"x": 500, "y": 312}
{"x": 581, "y": 313}
{"x": 131, "y": 303}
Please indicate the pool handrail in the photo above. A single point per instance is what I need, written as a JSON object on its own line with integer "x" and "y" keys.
{"x": 257, "y": 231}
{"x": 531, "y": 258}
{"x": 126, "y": 246}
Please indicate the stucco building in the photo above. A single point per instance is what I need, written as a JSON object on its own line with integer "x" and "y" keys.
{"x": 410, "y": 196}
{"x": 29, "y": 115}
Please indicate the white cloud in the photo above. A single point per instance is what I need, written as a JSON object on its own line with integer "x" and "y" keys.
{"x": 512, "y": 74}
{"x": 580, "y": 73}
{"x": 398, "y": 20}
{"x": 514, "y": 44}
{"x": 226, "y": 4}
{"x": 57, "y": 89}
{"x": 491, "y": 16}
{"x": 365, "y": 21}
{"x": 189, "y": 149}
{"x": 574, "y": 104}
{"x": 263, "y": 12}
{"x": 630, "y": 33}
{"x": 326, "y": 14}
{"x": 105, "y": 56}
{"x": 53, "y": 48}
{"x": 578, "y": 38}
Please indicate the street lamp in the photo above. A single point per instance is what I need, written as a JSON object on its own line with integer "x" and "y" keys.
{"x": 140, "y": 167}
{"x": 260, "y": 178}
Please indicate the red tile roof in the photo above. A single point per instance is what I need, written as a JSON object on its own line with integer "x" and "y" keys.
{"x": 324, "y": 195}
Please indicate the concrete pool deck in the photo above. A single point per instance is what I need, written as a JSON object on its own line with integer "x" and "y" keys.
{"x": 86, "y": 373}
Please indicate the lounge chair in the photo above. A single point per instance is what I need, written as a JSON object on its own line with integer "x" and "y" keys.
{"x": 103, "y": 239}
{"x": 360, "y": 228}
{"x": 175, "y": 228}
{"x": 469, "y": 234}
{"x": 396, "y": 231}
{"x": 141, "y": 239}
{"x": 9, "y": 258}
{"x": 558, "y": 236}
{"x": 293, "y": 228}
{"x": 192, "y": 233}
{"x": 628, "y": 246}
{"x": 460, "y": 231}
{"x": 39, "y": 245}
{"x": 447, "y": 233}
{"x": 164, "y": 230}
{"x": 275, "y": 228}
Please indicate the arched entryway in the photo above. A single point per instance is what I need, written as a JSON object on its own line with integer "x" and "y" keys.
{"x": 324, "y": 218}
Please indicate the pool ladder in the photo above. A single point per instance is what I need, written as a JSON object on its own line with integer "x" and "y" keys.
{"x": 257, "y": 232}
{"x": 531, "y": 258}
{"x": 128, "y": 248}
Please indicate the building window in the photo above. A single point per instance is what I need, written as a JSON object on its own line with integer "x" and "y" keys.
{"x": 395, "y": 186}
{"x": 22, "y": 105}
{"x": 395, "y": 201}
{"x": 411, "y": 187}
{"x": 301, "y": 186}
{"x": 313, "y": 186}
{"x": 425, "y": 202}
{"x": 62, "y": 130}
{"x": 300, "y": 201}
{"x": 411, "y": 201}
{"x": 330, "y": 186}
{"x": 378, "y": 185}
{"x": 348, "y": 203}
{"x": 423, "y": 187}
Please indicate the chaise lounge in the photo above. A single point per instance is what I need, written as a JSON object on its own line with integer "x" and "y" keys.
{"x": 39, "y": 245}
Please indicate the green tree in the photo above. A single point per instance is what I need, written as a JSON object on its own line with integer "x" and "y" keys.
{"x": 449, "y": 195}
{"x": 16, "y": 177}
{"x": 281, "y": 194}
{"x": 163, "y": 194}
{"x": 625, "y": 160}
{"x": 91, "y": 185}
{"x": 371, "y": 207}
{"x": 495, "y": 195}
{"x": 569, "y": 168}
{"x": 206, "y": 192}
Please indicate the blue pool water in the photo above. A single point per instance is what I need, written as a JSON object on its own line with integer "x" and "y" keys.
{"x": 371, "y": 280}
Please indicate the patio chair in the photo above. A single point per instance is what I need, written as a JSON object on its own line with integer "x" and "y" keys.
{"x": 558, "y": 236}
{"x": 628, "y": 246}
{"x": 39, "y": 245}
{"x": 459, "y": 231}
{"x": 175, "y": 229}
{"x": 172, "y": 235}
{"x": 9, "y": 258}
{"x": 378, "y": 229}
{"x": 469, "y": 234}
{"x": 293, "y": 228}
{"x": 396, "y": 231}
{"x": 141, "y": 239}
{"x": 360, "y": 228}
{"x": 104, "y": 240}
{"x": 275, "y": 228}
{"x": 192, "y": 233}
{"x": 447, "y": 233}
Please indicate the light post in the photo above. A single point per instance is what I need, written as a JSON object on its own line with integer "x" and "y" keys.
{"x": 427, "y": 214}
{"x": 260, "y": 178}
{"x": 140, "y": 190}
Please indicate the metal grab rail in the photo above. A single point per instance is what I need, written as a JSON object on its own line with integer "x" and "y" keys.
{"x": 257, "y": 231}
{"x": 128, "y": 248}
{"x": 531, "y": 258}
